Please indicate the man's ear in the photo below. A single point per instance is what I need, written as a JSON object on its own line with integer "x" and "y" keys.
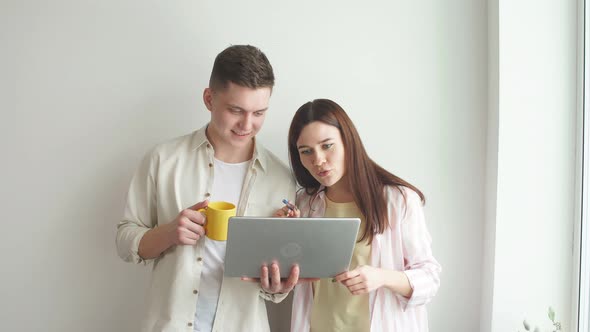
{"x": 208, "y": 98}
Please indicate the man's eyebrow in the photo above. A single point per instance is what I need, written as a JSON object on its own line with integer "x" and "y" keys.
{"x": 243, "y": 110}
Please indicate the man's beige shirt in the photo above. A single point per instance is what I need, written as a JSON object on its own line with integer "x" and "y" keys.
{"x": 176, "y": 175}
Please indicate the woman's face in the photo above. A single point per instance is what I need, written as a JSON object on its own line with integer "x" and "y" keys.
{"x": 322, "y": 153}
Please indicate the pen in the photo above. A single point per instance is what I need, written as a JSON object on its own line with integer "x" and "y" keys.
{"x": 289, "y": 205}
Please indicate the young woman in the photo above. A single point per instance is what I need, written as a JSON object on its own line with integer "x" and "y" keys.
{"x": 393, "y": 273}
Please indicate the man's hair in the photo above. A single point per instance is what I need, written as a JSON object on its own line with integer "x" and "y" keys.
{"x": 244, "y": 65}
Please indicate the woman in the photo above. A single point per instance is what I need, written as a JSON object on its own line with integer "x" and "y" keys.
{"x": 392, "y": 273}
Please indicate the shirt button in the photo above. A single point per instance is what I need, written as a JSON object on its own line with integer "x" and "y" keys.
{"x": 208, "y": 145}
{"x": 195, "y": 291}
{"x": 189, "y": 324}
{"x": 199, "y": 259}
{"x": 207, "y": 194}
{"x": 210, "y": 165}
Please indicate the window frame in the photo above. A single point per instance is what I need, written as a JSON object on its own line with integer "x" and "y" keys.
{"x": 582, "y": 242}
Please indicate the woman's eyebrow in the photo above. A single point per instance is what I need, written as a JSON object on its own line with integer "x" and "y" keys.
{"x": 320, "y": 142}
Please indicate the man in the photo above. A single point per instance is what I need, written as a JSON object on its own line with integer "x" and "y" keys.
{"x": 219, "y": 162}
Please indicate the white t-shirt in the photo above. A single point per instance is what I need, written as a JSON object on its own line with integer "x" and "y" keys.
{"x": 227, "y": 186}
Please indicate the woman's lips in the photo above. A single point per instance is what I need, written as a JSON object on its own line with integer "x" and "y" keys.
{"x": 323, "y": 173}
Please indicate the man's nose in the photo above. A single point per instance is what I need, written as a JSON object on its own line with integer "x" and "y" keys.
{"x": 246, "y": 121}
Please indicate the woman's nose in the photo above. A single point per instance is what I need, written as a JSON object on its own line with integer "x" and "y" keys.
{"x": 319, "y": 159}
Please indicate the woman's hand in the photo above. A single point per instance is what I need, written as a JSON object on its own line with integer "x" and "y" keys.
{"x": 362, "y": 280}
{"x": 290, "y": 211}
{"x": 366, "y": 278}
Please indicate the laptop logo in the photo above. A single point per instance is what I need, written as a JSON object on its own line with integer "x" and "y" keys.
{"x": 291, "y": 250}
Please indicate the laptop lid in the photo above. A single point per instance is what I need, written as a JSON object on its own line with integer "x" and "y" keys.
{"x": 321, "y": 246}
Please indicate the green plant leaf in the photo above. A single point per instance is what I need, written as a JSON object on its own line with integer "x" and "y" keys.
{"x": 551, "y": 314}
{"x": 526, "y": 325}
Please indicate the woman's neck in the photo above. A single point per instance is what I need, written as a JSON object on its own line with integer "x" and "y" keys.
{"x": 339, "y": 195}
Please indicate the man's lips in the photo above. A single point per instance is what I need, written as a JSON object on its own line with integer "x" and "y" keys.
{"x": 240, "y": 134}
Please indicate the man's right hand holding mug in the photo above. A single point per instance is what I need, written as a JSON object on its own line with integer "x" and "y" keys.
{"x": 185, "y": 229}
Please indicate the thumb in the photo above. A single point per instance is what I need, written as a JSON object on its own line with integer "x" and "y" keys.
{"x": 199, "y": 205}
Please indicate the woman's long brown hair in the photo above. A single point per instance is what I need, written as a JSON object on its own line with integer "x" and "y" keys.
{"x": 368, "y": 186}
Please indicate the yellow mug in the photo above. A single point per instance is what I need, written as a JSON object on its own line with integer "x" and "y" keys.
{"x": 218, "y": 214}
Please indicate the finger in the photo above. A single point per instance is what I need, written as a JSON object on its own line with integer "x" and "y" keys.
{"x": 189, "y": 225}
{"x": 359, "y": 291}
{"x": 199, "y": 205}
{"x": 295, "y": 208}
{"x": 186, "y": 242}
{"x": 289, "y": 205}
{"x": 357, "y": 287}
{"x": 188, "y": 234}
{"x": 275, "y": 278}
{"x": 282, "y": 212}
{"x": 292, "y": 280}
{"x": 353, "y": 281}
{"x": 188, "y": 238}
{"x": 257, "y": 280}
{"x": 199, "y": 230}
{"x": 197, "y": 217}
{"x": 264, "y": 277}
{"x": 345, "y": 275}
{"x": 194, "y": 216}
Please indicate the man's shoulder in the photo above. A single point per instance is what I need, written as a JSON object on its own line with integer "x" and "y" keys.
{"x": 275, "y": 170}
{"x": 175, "y": 146}
{"x": 274, "y": 163}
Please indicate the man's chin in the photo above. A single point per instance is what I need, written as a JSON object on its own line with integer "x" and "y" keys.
{"x": 241, "y": 142}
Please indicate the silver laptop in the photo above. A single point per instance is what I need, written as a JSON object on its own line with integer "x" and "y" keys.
{"x": 321, "y": 246}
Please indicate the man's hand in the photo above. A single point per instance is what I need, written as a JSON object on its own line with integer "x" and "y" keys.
{"x": 271, "y": 282}
{"x": 187, "y": 227}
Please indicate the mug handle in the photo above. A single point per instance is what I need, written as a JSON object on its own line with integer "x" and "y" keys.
{"x": 204, "y": 212}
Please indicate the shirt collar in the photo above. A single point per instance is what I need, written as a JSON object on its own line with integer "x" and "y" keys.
{"x": 259, "y": 157}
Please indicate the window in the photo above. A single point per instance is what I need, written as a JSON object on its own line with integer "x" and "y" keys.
{"x": 584, "y": 275}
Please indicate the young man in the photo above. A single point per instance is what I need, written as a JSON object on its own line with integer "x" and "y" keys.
{"x": 220, "y": 162}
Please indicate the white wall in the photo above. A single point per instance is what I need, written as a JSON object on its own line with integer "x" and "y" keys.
{"x": 89, "y": 86}
{"x": 532, "y": 154}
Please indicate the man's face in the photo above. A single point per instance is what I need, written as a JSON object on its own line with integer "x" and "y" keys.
{"x": 237, "y": 114}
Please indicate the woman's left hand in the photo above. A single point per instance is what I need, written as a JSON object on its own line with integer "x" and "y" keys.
{"x": 363, "y": 279}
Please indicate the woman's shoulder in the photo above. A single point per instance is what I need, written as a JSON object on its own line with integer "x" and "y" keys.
{"x": 311, "y": 203}
{"x": 401, "y": 196}
{"x": 307, "y": 193}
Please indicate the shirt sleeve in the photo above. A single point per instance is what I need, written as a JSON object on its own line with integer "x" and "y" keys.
{"x": 301, "y": 310}
{"x": 420, "y": 266}
{"x": 140, "y": 212}
{"x": 276, "y": 298}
